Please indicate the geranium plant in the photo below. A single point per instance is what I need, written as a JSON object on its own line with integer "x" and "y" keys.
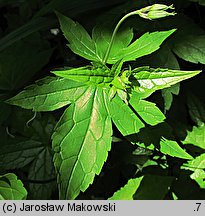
{"x": 101, "y": 94}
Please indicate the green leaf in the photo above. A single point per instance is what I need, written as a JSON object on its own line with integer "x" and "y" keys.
{"x": 42, "y": 171}
{"x": 102, "y": 37}
{"x": 197, "y": 166}
{"x": 17, "y": 154}
{"x": 123, "y": 117}
{"x": 34, "y": 151}
{"x": 147, "y": 110}
{"x": 79, "y": 40}
{"x": 19, "y": 151}
{"x": 196, "y": 109}
{"x": 127, "y": 192}
{"x": 146, "y": 44}
{"x": 116, "y": 68}
{"x": 164, "y": 57}
{"x": 191, "y": 48}
{"x": 153, "y": 187}
{"x": 89, "y": 75}
{"x": 172, "y": 148}
{"x": 196, "y": 137}
{"x": 168, "y": 93}
{"x": 151, "y": 79}
{"x": 49, "y": 94}
{"x": 11, "y": 188}
{"x": 81, "y": 142}
{"x": 174, "y": 196}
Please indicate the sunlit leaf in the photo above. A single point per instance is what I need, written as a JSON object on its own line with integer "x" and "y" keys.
{"x": 11, "y": 188}
{"x": 123, "y": 117}
{"x": 79, "y": 40}
{"x": 196, "y": 137}
{"x": 83, "y": 134}
{"x": 49, "y": 94}
{"x": 146, "y": 44}
{"x": 147, "y": 110}
{"x": 127, "y": 192}
{"x": 154, "y": 79}
{"x": 197, "y": 166}
{"x": 172, "y": 148}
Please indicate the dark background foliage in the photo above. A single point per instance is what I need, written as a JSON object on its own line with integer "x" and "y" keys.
{"x": 31, "y": 44}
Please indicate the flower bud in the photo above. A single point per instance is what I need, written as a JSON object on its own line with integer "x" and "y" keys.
{"x": 155, "y": 11}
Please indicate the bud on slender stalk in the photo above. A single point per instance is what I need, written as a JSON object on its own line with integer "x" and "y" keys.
{"x": 155, "y": 11}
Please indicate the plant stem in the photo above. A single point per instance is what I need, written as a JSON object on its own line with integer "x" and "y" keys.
{"x": 114, "y": 33}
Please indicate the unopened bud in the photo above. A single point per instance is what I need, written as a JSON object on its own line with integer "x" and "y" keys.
{"x": 155, "y": 11}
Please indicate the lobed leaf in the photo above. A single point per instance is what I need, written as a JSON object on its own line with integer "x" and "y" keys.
{"x": 147, "y": 110}
{"x": 164, "y": 57}
{"x": 17, "y": 154}
{"x": 11, "y": 188}
{"x": 79, "y": 40}
{"x": 146, "y": 44}
{"x": 81, "y": 142}
{"x": 150, "y": 79}
{"x": 49, "y": 94}
{"x": 123, "y": 117}
{"x": 102, "y": 37}
{"x": 42, "y": 171}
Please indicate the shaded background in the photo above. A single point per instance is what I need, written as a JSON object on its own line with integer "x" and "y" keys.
{"x": 31, "y": 44}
